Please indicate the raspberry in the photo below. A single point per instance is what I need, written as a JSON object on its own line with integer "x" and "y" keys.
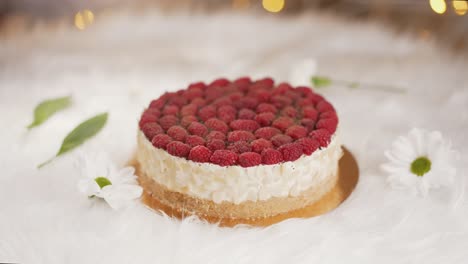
{"x": 265, "y": 83}
{"x": 289, "y": 111}
{"x": 224, "y": 157}
{"x": 200, "y": 154}
{"x": 153, "y": 111}
{"x": 271, "y": 156}
{"x": 281, "y": 101}
{"x": 158, "y": 103}
{"x": 147, "y": 118}
{"x": 215, "y": 144}
{"x": 308, "y": 145}
{"x": 189, "y": 110}
{"x": 262, "y": 95}
{"x": 293, "y": 94}
{"x": 187, "y": 120}
{"x": 329, "y": 114}
{"x": 227, "y": 113}
{"x": 193, "y": 141}
{"x": 244, "y": 124}
{"x": 167, "y": 121}
{"x": 260, "y": 144}
{"x": 219, "y": 82}
{"x": 178, "y": 101}
{"x": 245, "y": 113}
{"x": 207, "y": 112}
{"x": 240, "y": 135}
{"x": 296, "y": 132}
{"x": 236, "y": 96}
{"x": 283, "y": 123}
{"x": 161, "y": 141}
{"x": 291, "y": 151}
{"x": 304, "y": 90}
{"x": 315, "y": 98}
{"x": 229, "y": 89}
{"x": 280, "y": 140}
{"x": 329, "y": 124}
{"x": 324, "y": 106}
{"x": 264, "y": 107}
{"x": 197, "y": 85}
{"x": 266, "y": 132}
{"x": 177, "y": 133}
{"x": 282, "y": 88}
{"x": 171, "y": 110}
{"x": 302, "y": 102}
{"x": 308, "y": 123}
{"x": 212, "y": 94}
{"x": 215, "y": 135}
{"x": 193, "y": 94}
{"x": 239, "y": 147}
{"x": 249, "y": 159}
{"x": 225, "y": 100}
{"x": 197, "y": 129}
{"x": 242, "y": 82}
{"x": 322, "y": 136}
{"x": 178, "y": 149}
{"x": 217, "y": 125}
{"x": 151, "y": 129}
{"x": 265, "y": 119}
{"x": 310, "y": 112}
{"x": 246, "y": 102}
{"x": 199, "y": 102}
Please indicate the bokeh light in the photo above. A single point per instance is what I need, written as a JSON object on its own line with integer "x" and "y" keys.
{"x": 83, "y": 19}
{"x": 273, "y": 6}
{"x": 439, "y": 6}
{"x": 461, "y": 7}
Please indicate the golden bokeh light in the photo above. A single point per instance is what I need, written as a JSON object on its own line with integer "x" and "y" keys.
{"x": 83, "y": 19}
{"x": 273, "y": 6}
{"x": 240, "y": 4}
{"x": 461, "y": 7}
{"x": 439, "y": 6}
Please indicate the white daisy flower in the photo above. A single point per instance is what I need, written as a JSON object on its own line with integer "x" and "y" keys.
{"x": 101, "y": 178}
{"x": 301, "y": 73}
{"x": 420, "y": 161}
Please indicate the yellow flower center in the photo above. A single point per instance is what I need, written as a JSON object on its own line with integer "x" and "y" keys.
{"x": 421, "y": 166}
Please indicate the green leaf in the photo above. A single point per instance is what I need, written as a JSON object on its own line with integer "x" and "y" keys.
{"x": 102, "y": 182}
{"x": 320, "y": 81}
{"x": 47, "y": 108}
{"x": 80, "y": 134}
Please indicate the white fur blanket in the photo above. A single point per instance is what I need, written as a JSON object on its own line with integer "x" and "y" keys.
{"x": 124, "y": 60}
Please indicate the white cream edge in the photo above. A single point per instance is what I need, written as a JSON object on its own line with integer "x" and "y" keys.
{"x": 236, "y": 184}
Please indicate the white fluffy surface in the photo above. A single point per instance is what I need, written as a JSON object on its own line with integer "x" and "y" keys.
{"x": 123, "y": 61}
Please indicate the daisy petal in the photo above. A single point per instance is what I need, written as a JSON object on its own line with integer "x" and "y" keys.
{"x": 120, "y": 196}
{"x": 420, "y": 143}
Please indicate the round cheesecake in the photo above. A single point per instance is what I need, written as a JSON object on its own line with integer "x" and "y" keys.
{"x": 238, "y": 150}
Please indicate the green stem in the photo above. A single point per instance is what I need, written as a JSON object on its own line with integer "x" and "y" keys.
{"x": 46, "y": 162}
{"x": 370, "y": 86}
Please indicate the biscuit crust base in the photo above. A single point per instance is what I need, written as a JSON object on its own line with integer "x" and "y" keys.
{"x": 312, "y": 202}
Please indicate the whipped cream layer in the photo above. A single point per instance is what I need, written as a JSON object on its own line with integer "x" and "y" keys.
{"x": 237, "y": 184}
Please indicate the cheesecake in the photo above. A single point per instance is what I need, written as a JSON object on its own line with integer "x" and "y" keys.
{"x": 238, "y": 151}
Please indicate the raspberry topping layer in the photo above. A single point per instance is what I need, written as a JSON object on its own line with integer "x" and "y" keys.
{"x": 240, "y": 122}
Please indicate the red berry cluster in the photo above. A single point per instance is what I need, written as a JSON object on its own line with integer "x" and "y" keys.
{"x": 242, "y": 122}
